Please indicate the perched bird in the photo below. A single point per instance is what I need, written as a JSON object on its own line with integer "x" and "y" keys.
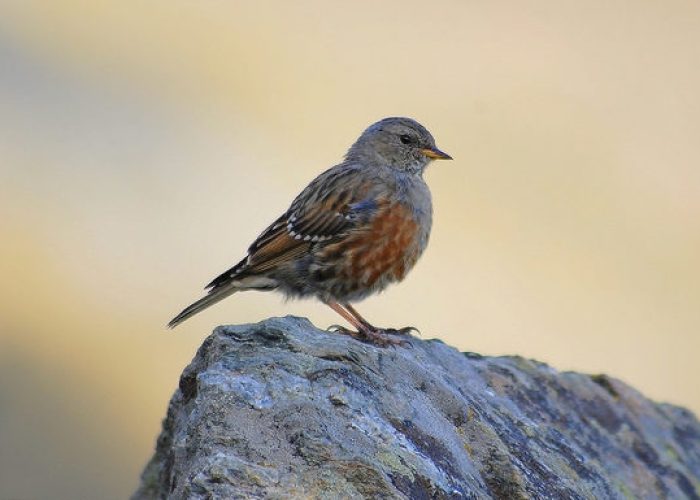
{"x": 355, "y": 229}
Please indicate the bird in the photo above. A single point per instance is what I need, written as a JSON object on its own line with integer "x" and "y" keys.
{"x": 355, "y": 229}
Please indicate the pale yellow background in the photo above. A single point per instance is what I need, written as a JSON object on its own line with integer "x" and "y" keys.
{"x": 143, "y": 145}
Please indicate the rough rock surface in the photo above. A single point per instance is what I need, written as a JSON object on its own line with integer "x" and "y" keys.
{"x": 281, "y": 409}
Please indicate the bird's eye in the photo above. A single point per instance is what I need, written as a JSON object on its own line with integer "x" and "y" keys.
{"x": 406, "y": 139}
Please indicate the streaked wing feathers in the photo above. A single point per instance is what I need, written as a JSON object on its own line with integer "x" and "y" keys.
{"x": 334, "y": 203}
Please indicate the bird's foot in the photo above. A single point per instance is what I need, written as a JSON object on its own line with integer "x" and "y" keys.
{"x": 400, "y": 331}
{"x": 382, "y": 338}
{"x": 376, "y": 336}
{"x": 342, "y": 329}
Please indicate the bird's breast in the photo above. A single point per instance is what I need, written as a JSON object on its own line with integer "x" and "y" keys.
{"x": 380, "y": 253}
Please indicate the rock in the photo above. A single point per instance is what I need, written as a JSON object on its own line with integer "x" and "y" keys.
{"x": 281, "y": 409}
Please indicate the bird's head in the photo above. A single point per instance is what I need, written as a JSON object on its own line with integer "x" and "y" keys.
{"x": 400, "y": 143}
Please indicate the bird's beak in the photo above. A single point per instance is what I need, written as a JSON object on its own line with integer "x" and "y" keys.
{"x": 435, "y": 154}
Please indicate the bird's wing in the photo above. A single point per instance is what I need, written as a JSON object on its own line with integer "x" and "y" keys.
{"x": 336, "y": 202}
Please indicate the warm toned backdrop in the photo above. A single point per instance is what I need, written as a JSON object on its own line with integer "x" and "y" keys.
{"x": 143, "y": 145}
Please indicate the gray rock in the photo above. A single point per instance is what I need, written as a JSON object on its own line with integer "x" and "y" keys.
{"x": 281, "y": 409}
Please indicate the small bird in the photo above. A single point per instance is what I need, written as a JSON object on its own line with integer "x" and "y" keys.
{"x": 356, "y": 228}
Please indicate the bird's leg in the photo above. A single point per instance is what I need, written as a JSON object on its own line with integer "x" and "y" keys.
{"x": 359, "y": 317}
{"x": 365, "y": 332}
{"x": 391, "y": 331}
{"x": 350, "y": 319}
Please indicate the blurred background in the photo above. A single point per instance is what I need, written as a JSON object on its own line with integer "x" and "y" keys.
{"x": 144, "y": 145}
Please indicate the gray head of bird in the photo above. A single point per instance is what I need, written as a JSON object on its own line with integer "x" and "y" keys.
{"x": 400, "y": 143}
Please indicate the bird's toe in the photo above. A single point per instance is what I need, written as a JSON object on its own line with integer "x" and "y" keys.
{"x": 401, "y": 331}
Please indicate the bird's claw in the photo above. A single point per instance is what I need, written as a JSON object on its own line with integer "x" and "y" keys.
{"x": 378, "y": 337}
{"x": 381, "y": 338}
{"x": 346, "y": 331}
{"x": 400, "y": 331}
{"x": 337, "y": 329}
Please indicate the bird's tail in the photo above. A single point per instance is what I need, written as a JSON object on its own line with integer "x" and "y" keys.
{"x": 212, "y": 298}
